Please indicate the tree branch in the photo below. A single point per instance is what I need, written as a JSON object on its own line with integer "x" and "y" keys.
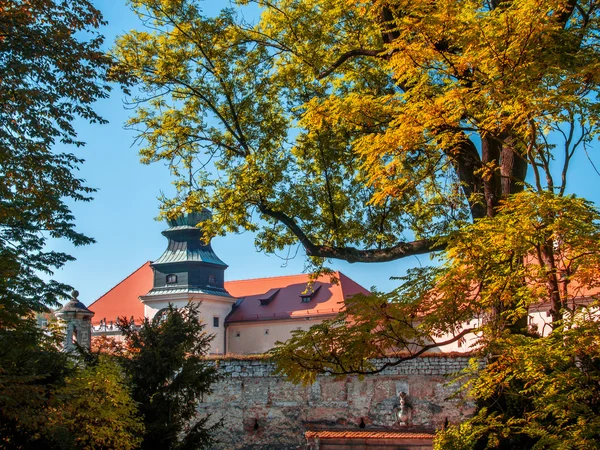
{"x": 399, "y": 360}
{"x": 346, "y": 56}
{"x": 352, "y": 254}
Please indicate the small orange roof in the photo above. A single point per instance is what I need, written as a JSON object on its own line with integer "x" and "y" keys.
{"x": 367, "y": 435}
{"x": 285, "y": 302}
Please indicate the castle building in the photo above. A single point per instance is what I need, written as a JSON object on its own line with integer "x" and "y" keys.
{"x": 246, "y": 316}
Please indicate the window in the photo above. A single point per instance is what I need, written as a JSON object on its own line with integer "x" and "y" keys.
{"x": 268, "y": 297}
{"x": 309, "y": 294}
{"x": 266, "y": 331}
{"x": 216, "y": 322}
{"x": 212, "y": 279}
{"x": 171, "y": 278}
{"x": 237, "y": 334}
{"x": 160, "y": 315}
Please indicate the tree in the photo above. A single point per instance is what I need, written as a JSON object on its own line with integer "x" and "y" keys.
{"x": 52, "y": 69}
{"x": 164, "y": 362}
{"x": 371, "y": 131}
{"x": 550, "y": 396}
{"x": 94, "y": 410}
{"x": 478, "y": 288}
{"x": 388, "y": 121}
{"x": 31, "y": 368}
{"x": 394, "y": 121}
{"x": 53, "y": 400}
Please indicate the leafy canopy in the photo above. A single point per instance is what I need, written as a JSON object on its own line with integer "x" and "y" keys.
{"x": 478, "y": 289}
{"x": 53, "y": 400}
{"x": 31, "y": 367}
{"x": 370, "y": 131}
{"x": 51, "y": 71}
{"x": 538, "y": 394}
{"x": 362, "y": 130}
{"x": 94, "y": 410}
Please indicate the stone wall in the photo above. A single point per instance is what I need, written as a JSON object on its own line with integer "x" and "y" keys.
{"x": 260, "y": 410}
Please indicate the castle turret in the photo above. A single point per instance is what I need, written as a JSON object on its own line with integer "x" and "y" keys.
{"x": 77, "y": 321}
{"x": 189, "y": 270}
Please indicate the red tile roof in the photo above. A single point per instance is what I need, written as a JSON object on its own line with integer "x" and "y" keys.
{"x": 367, "y": 435}
{"x": 287, "y": 303}
{"x": 123, "y": 299}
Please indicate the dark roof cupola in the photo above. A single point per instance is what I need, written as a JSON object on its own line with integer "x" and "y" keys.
{"x": 188, "y": 265}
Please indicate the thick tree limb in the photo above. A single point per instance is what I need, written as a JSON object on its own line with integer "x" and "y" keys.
{"x": 564, "y": 15}
{"x": 352, "y": 254}
{"x": 467, "y": 164}
{"x": 346, "y": 56}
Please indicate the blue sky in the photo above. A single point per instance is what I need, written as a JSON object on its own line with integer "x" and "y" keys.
{"x": 122, "y": 215}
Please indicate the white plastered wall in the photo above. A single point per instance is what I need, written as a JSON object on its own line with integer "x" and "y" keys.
{"x": 211, "y": 307}
{"x": 260, "y": 336}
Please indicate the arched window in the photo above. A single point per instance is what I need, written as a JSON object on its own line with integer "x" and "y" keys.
{"x": 161, "y": 315}
{"x": 171, "y": 278}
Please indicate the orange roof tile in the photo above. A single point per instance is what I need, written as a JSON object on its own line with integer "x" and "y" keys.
{"x": 123, "y": 299}
{"x": 367, "y": 435}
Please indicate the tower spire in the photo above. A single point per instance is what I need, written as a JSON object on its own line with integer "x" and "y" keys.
{"x": 188, "y": 265}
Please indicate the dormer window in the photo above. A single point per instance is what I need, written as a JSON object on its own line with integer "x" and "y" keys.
{"x": 268, "y": 297}
{"x": 309, "y": 294}
{"x": 171, "y": 278}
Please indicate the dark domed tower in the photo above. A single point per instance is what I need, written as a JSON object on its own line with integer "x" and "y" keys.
{"x": 189, "y": 270}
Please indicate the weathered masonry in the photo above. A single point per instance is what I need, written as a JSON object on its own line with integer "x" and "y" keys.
{"x": 260, "y": 410}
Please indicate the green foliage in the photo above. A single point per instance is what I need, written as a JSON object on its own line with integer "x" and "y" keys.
{"x": 49, "y": 400}
{"x": 51, "y": 71}
{"x": 31, "y": 368}
{"x": 370, "y": 131}
{"x": 551, "y": 242}
{"x": 355, "y": 127}
{"x": 538, "y": 393}
{"x": 94, "y": 410}
{"x": 168, "y": 374}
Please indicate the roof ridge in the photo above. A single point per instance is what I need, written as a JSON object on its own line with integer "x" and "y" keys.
{"x": 269, "y": 278}
{"x": 119, "y": 283}
{"x": 351, "y": 280}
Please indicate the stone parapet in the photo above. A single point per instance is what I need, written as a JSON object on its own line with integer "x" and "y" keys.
{"x": 427, "y": 365}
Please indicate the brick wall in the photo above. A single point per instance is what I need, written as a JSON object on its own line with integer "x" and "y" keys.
{"x": 260, "y": 410}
